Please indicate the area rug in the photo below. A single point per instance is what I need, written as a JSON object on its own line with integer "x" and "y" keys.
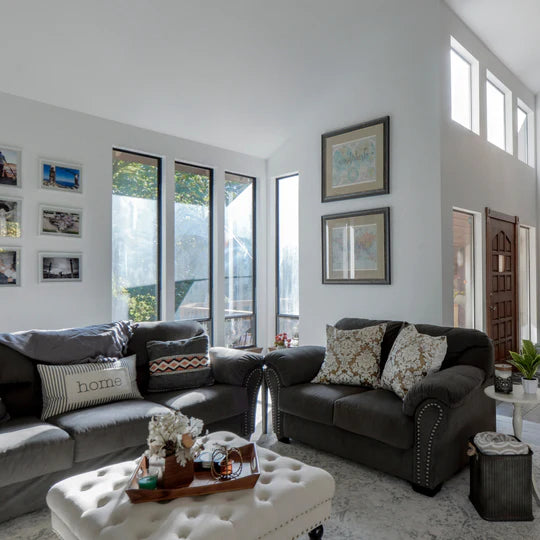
{"x": 368, "y": 505}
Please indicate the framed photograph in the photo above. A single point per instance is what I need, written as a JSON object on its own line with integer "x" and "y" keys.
{"x": 60, "y": 176}
{"x": 10, "y": 217}
{"x": 10, "y": 267}
{"x": 356, "y": 247}
{"x": 60, "y": 267}
{"x": 10, "y": 166}
{"x": 59, "y": 221}
{"x": 356, "y": 161}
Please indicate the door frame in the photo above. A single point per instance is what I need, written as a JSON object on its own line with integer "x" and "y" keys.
{"x": 493, "y": 214}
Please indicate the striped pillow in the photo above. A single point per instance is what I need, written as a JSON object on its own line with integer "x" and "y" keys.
{"x": 66, "y": 388}
{"x": 177, "y": 365}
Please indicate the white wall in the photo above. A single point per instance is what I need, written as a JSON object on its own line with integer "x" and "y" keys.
{"x": 46, "y": 131}
{"x": 393, "y": 70}
{"x": 475, "y": 173}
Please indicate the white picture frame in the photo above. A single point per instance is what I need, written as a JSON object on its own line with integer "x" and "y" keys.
{"x": 67, "y": 177}
{"x": 10, "y": 217}
{"x": 60, "y": 221}
{"x": 57, "y": 267}
{"x": 10, "y": 166}
{"x": 10, "y": 266}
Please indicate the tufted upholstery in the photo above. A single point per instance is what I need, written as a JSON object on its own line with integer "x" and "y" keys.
{"x": 289, "y": 500}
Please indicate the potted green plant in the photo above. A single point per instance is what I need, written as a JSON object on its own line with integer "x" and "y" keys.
{"x": 527, "y": 362}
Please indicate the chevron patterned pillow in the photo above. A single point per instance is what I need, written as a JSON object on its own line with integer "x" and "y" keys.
{"x": 177, "y": 365}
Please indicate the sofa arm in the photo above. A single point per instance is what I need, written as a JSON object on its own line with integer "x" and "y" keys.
{"x": 449, "y": 386}
{"x": 295, "y": 365}
{"x": 233, "y": 366}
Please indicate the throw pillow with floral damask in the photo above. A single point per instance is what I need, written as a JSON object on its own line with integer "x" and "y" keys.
{"x": 352, "y": 356}
{"x": 413, "y": 356}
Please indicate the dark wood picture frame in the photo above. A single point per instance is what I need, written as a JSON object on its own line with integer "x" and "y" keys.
{"x": 383, "y": 266}
{"x": 378, "y": 128}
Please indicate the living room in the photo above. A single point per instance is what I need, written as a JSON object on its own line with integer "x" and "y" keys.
{"x": 169, "y": 172}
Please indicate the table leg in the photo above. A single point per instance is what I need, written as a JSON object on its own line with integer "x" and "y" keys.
{"x": 517, "y": 420}
{"x": 264, "y": 406}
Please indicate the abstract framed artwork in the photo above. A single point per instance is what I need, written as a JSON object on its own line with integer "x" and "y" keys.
{"x": 60, "y": 176}
{"x": 10, "y": 166}
{"x": 10, "y": 217}
{"x": 356, "y": 247}
{"x": 60, "y": 267}
{"x": 60, "y": 221}
{"x": 356, "y": 161}
{"x": 10, "y": 266}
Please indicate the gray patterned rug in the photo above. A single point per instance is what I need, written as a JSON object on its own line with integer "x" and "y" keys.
{"x": 368, "y": 505}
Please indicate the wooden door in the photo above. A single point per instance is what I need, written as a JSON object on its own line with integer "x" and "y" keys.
{"x": 502, "y": 246}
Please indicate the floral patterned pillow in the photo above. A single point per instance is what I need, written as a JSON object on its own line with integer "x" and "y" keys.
{"x": 413, "y": 356}
{"x": 352, "y": 356}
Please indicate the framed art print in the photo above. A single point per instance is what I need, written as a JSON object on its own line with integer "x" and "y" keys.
{"x": 10, "y": 266}
{"x": 356, "y": 247}
{"x": 10, "y": 217}
{"x": 10, "y": 166}
{"x": 59, "y": 221}
{"x": 60, "y": 176}
{"x": 60, "y": 267}
{"x": 356, "y": 161}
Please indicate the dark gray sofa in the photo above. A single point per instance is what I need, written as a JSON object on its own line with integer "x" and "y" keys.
{"x": 422, "y": 439}
{"x": 34, "y": 454}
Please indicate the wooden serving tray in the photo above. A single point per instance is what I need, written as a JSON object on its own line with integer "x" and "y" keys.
{"x": 203, "y": 483}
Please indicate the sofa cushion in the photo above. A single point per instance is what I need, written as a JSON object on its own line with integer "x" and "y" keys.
{"x": 352, "y": 356}
{"x": 107, "y": 428}
{"x": 180, "y": 364}
{"x": 209, "y": 403}
{"x": 31, "y": 448}
{"x": 314, "y": 401}
{"x": 66, "y": 388}
{"x": 376, "y": 414}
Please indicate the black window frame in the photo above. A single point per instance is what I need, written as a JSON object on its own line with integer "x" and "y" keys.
{"x": 279, "y": 315}
{"x": 159, "y": 201}
{"x": 254, "y": 264}
{"x": 209, "y": 320}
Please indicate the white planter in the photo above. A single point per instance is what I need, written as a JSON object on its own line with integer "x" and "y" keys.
{"x": 530, "y": 386}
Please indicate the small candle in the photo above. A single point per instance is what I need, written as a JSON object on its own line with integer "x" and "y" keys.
{"x": 148, "y": 482}
{"x": 503, "y": 378}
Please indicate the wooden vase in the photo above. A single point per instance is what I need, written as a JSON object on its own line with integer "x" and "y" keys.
{"x": 176, "y": 475}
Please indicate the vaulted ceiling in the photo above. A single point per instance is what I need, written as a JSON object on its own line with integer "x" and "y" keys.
{"x": 511, "y": 29}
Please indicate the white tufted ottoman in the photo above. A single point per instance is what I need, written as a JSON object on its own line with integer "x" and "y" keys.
{"x": 289, "y": 500}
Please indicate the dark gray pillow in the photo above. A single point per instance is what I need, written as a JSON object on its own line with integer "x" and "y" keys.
{"x": 4, "y": 416}
{"x": 177, "y": 365}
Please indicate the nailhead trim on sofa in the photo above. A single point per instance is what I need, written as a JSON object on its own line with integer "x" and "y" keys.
{"x": 272, "y": 379}
{"x": 249, "y": 415}
{"x": 418, "y": 460}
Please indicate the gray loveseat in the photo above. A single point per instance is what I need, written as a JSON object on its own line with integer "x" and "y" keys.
{"x": 34, "y": 454}
{"x": 422, "y": 439}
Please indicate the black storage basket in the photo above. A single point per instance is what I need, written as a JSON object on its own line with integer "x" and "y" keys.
{"x": 501, "y": 486}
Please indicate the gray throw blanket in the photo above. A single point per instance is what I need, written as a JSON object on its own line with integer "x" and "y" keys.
{"x": 72, "y": 345}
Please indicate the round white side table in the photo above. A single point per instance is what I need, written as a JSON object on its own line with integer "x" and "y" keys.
{"x": 518, "y": 398}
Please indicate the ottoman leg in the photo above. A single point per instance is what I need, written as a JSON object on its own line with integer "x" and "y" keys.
{"x": 316, "y": 533}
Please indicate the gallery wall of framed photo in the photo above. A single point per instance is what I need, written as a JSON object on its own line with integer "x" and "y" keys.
{"x": 59, "y": 221}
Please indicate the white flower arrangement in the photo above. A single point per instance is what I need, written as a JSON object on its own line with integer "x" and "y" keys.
{"x": 174, "y": 434}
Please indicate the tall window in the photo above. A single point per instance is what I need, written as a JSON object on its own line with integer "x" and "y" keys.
{"x": 498, "y": 113}
{"x": 463, "y": 86}
{"x": 287, "y": 257}
{"x": 240, "y": 323}
{"x": 525, "y": 130}
{"x": 527, "y": 284}
{"x": 193, "y": 244}
{"x": 464, "y": 263}
{"x": 136, "y": 229}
